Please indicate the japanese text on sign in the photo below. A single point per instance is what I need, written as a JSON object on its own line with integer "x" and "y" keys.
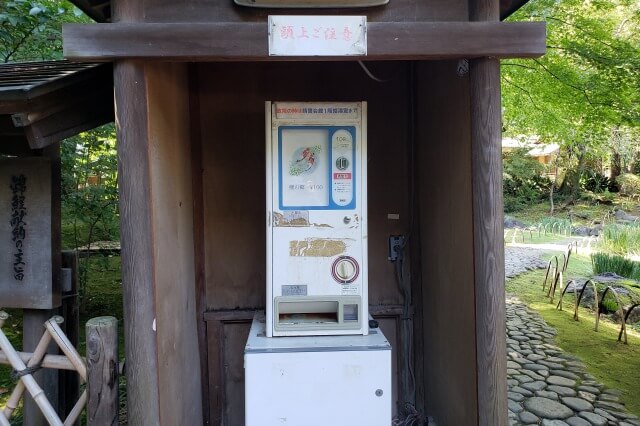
{"x": 317, "y": 35}
{"x": 18, "y": 212}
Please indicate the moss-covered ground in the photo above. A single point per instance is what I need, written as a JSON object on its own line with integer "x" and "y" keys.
{"x": 613, "y": 363}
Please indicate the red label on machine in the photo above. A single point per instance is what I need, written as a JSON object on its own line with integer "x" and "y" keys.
{"x": 342, "y": 175}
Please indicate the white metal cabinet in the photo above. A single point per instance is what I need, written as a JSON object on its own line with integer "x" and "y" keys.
{"x": 317, "y": 380}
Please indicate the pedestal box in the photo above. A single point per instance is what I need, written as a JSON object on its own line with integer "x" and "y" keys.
{"x": 317, "y": 380}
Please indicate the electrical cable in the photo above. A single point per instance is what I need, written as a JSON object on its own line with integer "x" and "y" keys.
{"x": 370, "y": 74}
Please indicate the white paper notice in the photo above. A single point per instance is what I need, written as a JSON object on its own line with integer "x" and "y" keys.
{"x": 317, "y": 35}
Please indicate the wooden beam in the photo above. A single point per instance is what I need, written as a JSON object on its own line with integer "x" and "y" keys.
{"x": 80, "y": 117}
{"x": 248, "y": 41}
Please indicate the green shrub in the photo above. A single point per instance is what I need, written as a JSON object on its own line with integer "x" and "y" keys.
{"x": 523, "y": 182}
{"x": 597, "y": 182}
{"x": 621, "y": 239}
{"x": 603, "y": 262}
{"x": 609, "y": 306}
{"x": 629, "y": 184}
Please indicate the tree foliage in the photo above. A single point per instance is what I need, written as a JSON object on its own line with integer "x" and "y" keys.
{"x": 585, "y": 92}
{"x": 32, "y": 30}
{"x": 89, "y": 193}
{"x": 587, "y": 83}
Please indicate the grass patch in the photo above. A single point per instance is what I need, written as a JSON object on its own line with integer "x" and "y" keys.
{"x": 588, "y": 210}
{"x": 604, "y": 262}
{"x": 612, "y": 363}
{"x": 621, "y": 239}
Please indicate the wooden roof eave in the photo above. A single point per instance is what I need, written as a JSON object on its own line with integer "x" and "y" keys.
{"x": 43, "y": 111}
{"x": 386, "y": 41}
{"x": 100, "y": 10}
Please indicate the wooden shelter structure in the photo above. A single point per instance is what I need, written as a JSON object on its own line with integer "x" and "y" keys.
{"x": 191, "y": 79}
{"x": 42, "y": 103}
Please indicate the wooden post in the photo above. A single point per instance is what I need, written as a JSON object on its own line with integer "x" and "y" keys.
{"x": 488, "y": 223}
{"x": 33, "y": 327}
{"x": 102, "y": 371}
{"x": 486, "y": 163}
{"x": 68, "y": 380}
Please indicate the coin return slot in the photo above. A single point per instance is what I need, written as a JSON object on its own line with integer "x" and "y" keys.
{"x": 350, "y": 312}
{"x": 308, "y": 312}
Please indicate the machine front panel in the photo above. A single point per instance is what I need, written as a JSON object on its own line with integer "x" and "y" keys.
{"x": 318, "y": 279}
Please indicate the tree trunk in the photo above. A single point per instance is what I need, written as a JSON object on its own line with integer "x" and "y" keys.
{"x": 616, "y": 164}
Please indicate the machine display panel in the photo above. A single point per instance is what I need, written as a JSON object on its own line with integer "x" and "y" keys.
{"x": 316, "y": 167}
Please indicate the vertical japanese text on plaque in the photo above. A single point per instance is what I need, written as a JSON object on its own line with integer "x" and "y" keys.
{"x": 18, "y": 232}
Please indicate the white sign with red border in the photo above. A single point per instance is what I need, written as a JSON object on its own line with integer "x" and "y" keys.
{"x": 317, "y": 35}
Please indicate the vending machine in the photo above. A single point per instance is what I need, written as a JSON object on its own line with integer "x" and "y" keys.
{"x": 311, "y": 358}
{"x": 316, "y": 219}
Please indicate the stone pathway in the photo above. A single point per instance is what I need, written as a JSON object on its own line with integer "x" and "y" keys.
{"x": 546, "y": 385}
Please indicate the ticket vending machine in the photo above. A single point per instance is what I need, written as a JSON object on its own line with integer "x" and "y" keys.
{"x": 316, "y": 219}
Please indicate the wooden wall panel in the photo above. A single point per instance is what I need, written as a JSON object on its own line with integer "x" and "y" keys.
{"x": 227, "y": 11}
{"x": 446, "y": 232}
{"x": 233, "y": 140}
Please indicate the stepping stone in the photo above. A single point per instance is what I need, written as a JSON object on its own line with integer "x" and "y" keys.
{"x": 520, "y": 338}
{"x": 534, "y": 386}
{"x": 562, "y": 390}
{"x": 604, "y": 414}
{"x": 594, "y": 419}
{"x": 512, "y": 372}
{"x": 536, "y": 367}
{"x": 608, "y": 397}
{"x": 522, "y": 378}
{"x": 589, "y": 389}
{"x": 551, "y": 365}
{"x": 577, "y": 421}
{"x": 514, "y": 406}
{"x": 547, "y": 394}
{"x": 515, "y": 396}
{"x": 565, "y": 374}
{"x": 578, "y": 404}
{"x": 512, "y": 364}
{"x": 529, "y": 418}
{"x": 561, "y": 381}
{"x": 525, "y": 392}
{"x": 533, "y": 375}
{"x": 547, "y": 422}
{"x": 513, "y": 382}
{"x": 535, "y": 357}
{"x": 612, "y": 392}
{"x": 588, "y": 396}
{"x": 610, "y": 406}
{"x": 556, "y": 359}
{"x": 547, "y": 408}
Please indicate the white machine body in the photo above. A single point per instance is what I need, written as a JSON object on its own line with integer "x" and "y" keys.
{"x": 317, "y": 380}
{"x": 316, "y": 219}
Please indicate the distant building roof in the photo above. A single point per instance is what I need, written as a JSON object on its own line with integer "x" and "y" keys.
{"x": 536, "y": 148}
